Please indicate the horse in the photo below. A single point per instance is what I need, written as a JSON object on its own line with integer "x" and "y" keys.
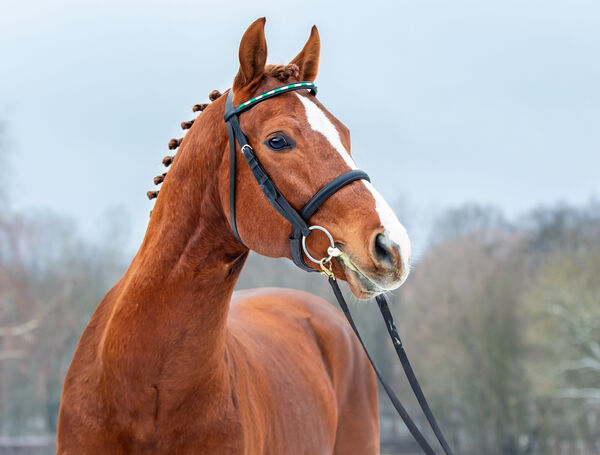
{"x": 173, "y": 360}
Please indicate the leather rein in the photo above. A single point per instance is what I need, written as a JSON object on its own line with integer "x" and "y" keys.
{"x": 301, "y": 230}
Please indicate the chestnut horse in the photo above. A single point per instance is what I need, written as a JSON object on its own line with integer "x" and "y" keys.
{"x": 173, "y": 361}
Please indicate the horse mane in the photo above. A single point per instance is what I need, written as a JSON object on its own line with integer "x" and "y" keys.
{"x": 282, "y": 73}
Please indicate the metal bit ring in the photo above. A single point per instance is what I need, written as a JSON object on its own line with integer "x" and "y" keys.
{"x": 324, "y": 260}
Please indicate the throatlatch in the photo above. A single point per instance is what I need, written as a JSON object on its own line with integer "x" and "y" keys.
{"x": 301, "y": 229}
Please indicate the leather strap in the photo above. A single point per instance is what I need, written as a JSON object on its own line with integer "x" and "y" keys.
{"x": 232, "y": 171}
{"x": 265, "y": 183}
{"x": 299, "y": 221}
{"x": 230, "y": 111}
{"x": 328, "y": 190}
{"x": 410, "y": 374}
{"x": 311, "y": 207}
{"x": 410, "y": 424}
{"x": 389, "y": 322}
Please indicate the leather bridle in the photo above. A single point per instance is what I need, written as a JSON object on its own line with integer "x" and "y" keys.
{"x": 301, "y": 230}
{"x": 299, "y": 221}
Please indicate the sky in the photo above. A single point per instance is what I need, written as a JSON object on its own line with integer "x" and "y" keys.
{"x": 494, "y": 102}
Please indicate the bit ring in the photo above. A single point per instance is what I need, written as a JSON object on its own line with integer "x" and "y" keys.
{"x": 324, "y": 260}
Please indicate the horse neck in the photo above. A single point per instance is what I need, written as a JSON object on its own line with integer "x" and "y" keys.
{"x": 166, "y": 327}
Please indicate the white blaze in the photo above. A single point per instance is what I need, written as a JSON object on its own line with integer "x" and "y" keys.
{"x": 319, "y": 122}
{"x": 394, "y": 230}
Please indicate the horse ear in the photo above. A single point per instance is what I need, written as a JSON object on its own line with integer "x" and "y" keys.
{"x": 253, "y": 55}
{"x": 308, "y": 58}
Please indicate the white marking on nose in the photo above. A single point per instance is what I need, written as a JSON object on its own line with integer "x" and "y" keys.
{"x": 394, "y": 230}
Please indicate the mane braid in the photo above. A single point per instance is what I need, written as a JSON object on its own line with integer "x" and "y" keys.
{"x": 187, "y": 125}
{"x": 159, "y": 178}
{"x": 174, "y": 143}
{"x": 214, "y": 95}
{"x": 283, "y": 72}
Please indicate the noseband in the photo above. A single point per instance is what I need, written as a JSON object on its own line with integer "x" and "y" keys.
{"x": 301, "y": 230}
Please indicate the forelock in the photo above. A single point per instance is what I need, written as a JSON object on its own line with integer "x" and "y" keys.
{"x": 284, "y": 73}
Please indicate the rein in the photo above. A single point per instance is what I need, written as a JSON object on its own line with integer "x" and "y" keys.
{"x": 301, "y": 230}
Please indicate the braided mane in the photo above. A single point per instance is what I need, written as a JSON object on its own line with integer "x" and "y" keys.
{"x": 281, "y": 72}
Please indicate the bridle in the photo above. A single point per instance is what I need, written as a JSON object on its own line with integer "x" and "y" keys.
{"x": 301, "y": 230}
{"x": 299, "y": 221}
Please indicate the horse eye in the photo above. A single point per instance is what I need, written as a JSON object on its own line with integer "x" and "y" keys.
{"x": 278, "y": 143}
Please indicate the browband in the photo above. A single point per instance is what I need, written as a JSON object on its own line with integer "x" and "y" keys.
{"x": 230, "y": 110}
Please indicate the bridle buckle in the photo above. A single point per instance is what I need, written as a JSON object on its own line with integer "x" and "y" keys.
{"x": 248, "y": 147}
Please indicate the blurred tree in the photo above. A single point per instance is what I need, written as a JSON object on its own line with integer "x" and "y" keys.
{"x": 502, "y": 323}
{"x": 563, "y": 313}
{"x": 460, "y": 318}
{"x": 50, "y": 282}
{"x": 464, "y": 220}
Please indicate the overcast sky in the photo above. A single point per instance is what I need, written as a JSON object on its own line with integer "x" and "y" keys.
{"x": 494, "y": 102}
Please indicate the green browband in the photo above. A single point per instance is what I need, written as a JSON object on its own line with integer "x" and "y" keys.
{"x": 276, "y": 91}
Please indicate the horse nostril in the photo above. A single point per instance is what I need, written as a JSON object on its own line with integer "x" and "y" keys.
{"x": 383, "y": 249}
